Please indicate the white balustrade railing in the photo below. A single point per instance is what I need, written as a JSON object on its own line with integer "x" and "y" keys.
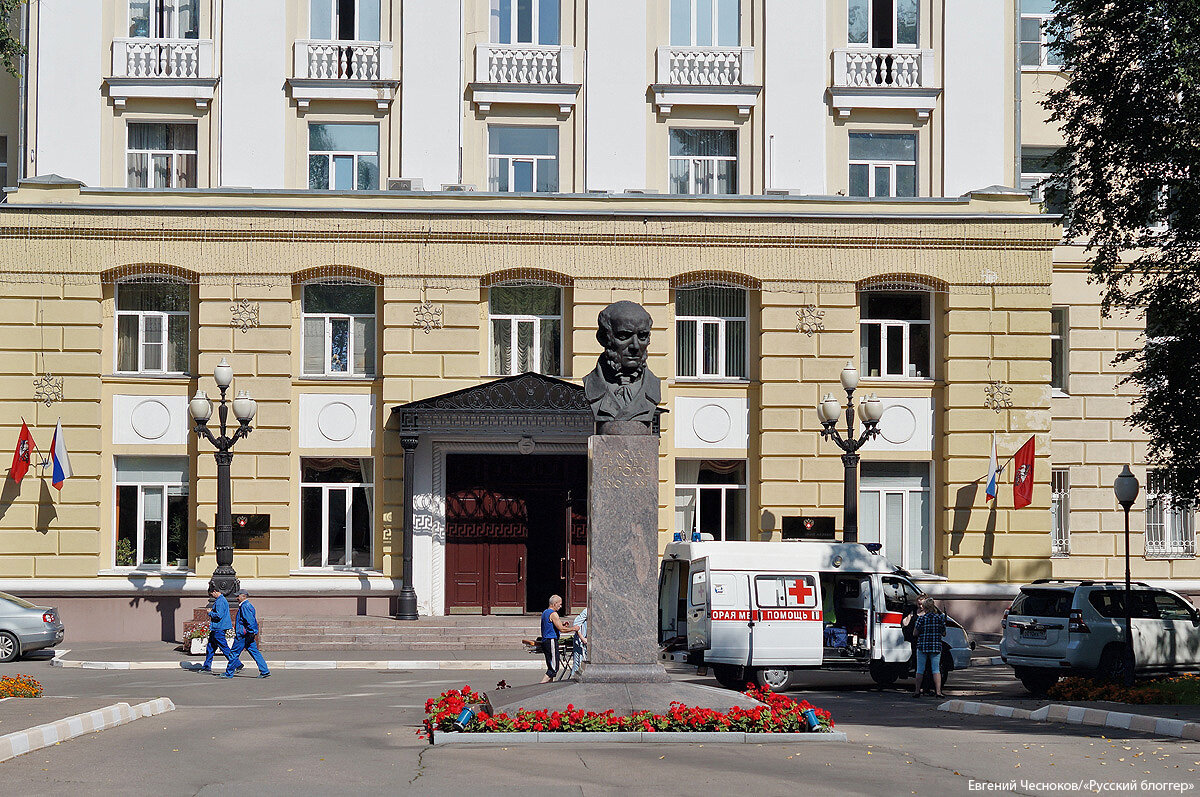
{"x": 706, "y": 66}
{"x": 162, "y": 58}
{"x": 525, "y": 64}
{"x": 883, "y": 68}
{"x": 343, "y": 60}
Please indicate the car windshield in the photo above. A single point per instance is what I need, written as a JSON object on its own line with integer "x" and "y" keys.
{"x": 24, "y": 604}
{"x": 1042, "y": 603}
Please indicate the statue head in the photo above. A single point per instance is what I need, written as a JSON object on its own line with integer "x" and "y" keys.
{"x": 624, "y": 332}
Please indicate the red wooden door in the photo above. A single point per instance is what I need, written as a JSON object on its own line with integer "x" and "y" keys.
{"x": 577, "y": 556}
{"x": 487, "y": 536}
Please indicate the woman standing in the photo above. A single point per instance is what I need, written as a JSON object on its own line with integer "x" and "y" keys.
{"x": 930, "y": 625}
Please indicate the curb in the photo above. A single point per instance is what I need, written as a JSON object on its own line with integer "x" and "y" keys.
{"x": 988, "y": 661}
{"x": 304, "y": 664}
{"x": 1078, "y": 715}
{"x": 634, "y": 737}
{"x": 51, "y": 733}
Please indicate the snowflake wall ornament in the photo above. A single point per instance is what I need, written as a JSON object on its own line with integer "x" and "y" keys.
{"x": 244, "y": 314}
{"x": 48, "y": 388}
{"x": 998, "y": 396}
{"x": 428, "y": 316}
{"x": 808, "y": 320}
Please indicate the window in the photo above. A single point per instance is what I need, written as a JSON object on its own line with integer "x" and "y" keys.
{"x": 1059, "y": 369}
{"x": 339, "y": 329}
{"x": 1037, "y": 50}
{"x": 1170, "y": 523}
{"x": 3, "y": 161}
{"x": 1173, "y": 608}
{"x": 710, "y": 332}
{"x": 882, "y": 23}
{"x": 704, "y": 23}
{"x": 526, "y": 329}
{"x": 895, "y": 338}
{"x": 1038, "y": 164}
{"x": 710, "y": 497}
{"x": 899, "y": 595}
{"x": 883, "y": 165}
{"x": 703, "y": 161}
{"x": 343, "y": 157}
{"x": 164, "y": 19}
{"x": 152, "y": 511}
{"x": 336, "y": 510}
{"x": 524, "y": 21}
{"x": 522, "y": 159}
{"x": 791, "y": 591}
{"x": 1043, "y": 602}
{"x": 344, "y": 20}
{"x": 893, "y": 509}
{"x": 1111, "y": 604}
{"x": 160, "y": 155}
{"x": 1060, "y": 512}
{"x": 152, "y": 327}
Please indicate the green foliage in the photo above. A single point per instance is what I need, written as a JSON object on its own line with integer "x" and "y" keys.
{"x": 1130, "y": 116}
{"x": 125, "y": 553}
{"x": 1183, "y": 690}
{"x": 11, "y": 48}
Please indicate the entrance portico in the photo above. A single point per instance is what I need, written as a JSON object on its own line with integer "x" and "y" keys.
{"x": 489, "y": 536}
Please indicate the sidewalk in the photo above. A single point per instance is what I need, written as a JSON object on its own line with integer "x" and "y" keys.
{"x": 169, "y": 655}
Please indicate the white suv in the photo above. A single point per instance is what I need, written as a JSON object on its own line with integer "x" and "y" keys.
{"x": 1067, "y": 627}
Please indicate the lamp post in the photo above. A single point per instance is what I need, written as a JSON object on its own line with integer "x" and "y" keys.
{"x": 828, "y": 411}
{"x": 1126, "y": 488}
{"x": 224, "y": 577}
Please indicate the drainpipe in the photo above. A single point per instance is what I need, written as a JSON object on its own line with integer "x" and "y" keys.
{"x": 22, "y": 83}
{"x": 1017, "y": 94}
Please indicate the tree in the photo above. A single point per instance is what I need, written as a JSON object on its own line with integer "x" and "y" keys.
{"x": 1130, "y": 115}
{"x": 11, "y": 48}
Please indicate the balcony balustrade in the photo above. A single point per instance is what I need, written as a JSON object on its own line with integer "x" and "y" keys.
{"x": 722, "y": 76}
{"x": 326, "y": 69}
{"x": 884, "y": 78}
{"x": 527, "y": 74}
{"x": 161, "y": 68}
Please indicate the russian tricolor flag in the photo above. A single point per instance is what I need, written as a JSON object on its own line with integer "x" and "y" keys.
{"x": 62, "y": 460}
{"x": 993, "y": 472}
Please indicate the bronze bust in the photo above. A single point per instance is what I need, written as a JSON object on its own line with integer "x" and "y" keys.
{"x": 622, "y": 392}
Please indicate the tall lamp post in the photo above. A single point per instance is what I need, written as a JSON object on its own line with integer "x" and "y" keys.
{"x": 224, "y": 577}
{"x": 828, "y": 411}
{"x": 1126, "y": 488}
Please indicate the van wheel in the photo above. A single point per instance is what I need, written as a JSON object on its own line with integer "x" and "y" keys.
{"x": 776, "y": 679}
{"x": 1113, "y": 664}
{"x": 726, "y": 675}
{"x": 883, "y": 673}
{"x": 1036, "y": 681}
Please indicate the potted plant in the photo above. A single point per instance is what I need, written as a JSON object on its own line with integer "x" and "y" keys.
{"x": 197, "y": 639}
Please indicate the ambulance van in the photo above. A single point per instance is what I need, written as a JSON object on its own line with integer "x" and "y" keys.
{"x": 766, "y": 611}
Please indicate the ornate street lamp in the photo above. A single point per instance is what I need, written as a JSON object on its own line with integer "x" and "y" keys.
{"x": 224, "y": 577}
{"x": 1126, "y": 488}
{"x": 828, "y": 411}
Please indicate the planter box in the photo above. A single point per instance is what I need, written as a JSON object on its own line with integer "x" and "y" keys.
{"x": 197, "y": 646}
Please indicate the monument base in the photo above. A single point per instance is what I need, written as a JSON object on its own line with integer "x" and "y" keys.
{"x": 623, "y": 698}
{"x": 652, "y": 673}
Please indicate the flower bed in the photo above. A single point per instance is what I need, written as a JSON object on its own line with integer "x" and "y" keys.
{"x": 20, "y": 686}
{"x": 780, "y": 714}
{"x": 1181, "y": 690}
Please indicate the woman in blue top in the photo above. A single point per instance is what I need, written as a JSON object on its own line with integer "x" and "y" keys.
{"x": 552, "y": 628}
{"x": 930, "y": 628}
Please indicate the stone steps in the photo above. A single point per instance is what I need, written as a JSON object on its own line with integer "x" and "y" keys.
{"x": 383, "y": 633}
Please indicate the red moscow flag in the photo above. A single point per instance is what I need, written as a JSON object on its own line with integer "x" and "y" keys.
{"x": 22, "y": 455}
{"x": 1023, "y": 475}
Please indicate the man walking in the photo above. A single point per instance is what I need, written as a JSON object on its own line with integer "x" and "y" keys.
{"x": 244, "y": 638}
{"x": 218, "y": 623}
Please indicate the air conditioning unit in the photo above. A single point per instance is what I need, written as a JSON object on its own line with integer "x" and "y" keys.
{"x": 406, "y": 184}
{"x": 458, "y": 187}
{"x": 778, "y": 192}
{"x": 641, "y": 190}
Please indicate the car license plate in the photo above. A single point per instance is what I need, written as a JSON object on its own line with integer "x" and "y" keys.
{"x": 1033, "y": 633}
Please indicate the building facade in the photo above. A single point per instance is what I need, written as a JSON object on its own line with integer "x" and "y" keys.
{"x": 397, "y": 222}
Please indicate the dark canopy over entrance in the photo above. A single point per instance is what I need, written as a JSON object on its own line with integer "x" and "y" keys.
{"x": 516, "y": 527}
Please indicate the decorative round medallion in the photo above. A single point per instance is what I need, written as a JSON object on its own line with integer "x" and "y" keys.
{"x": 151, "y": 419}
{"x": 711, "y": 423}
{"x": 336, "y": 421}
{"x": 526, "y": 445}
{"x": 898, "y": 424}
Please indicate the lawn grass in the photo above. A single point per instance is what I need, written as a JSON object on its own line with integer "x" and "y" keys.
{"x": 1182, "y": 690}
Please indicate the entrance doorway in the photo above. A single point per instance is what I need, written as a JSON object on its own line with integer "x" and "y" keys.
{"x": 516, "y": 532}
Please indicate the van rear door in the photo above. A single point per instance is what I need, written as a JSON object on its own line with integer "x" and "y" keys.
{"x": 699, "y": 617}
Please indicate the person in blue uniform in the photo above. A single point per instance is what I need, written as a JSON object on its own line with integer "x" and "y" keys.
{"x": 245, "y": 630}
{"x": 218, "y": 623}
{"x": 553, "y": 627}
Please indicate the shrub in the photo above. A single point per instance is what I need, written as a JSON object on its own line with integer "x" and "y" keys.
{"x": 1181, "y": 690}
{"x": 20, "y": 686}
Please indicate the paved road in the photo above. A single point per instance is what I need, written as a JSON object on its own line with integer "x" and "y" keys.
{"x": 353, "y": 732}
